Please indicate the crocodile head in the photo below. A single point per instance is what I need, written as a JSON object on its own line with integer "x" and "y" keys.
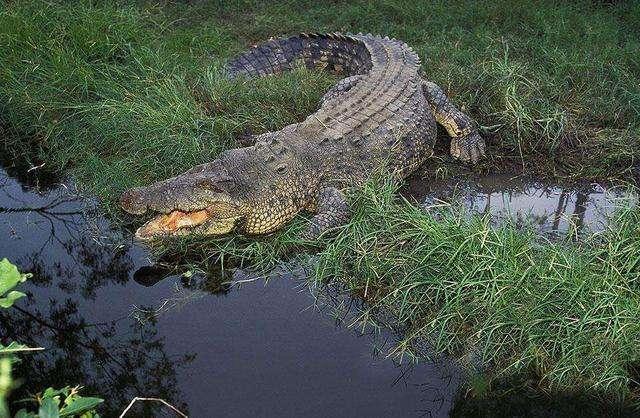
{"x": 199, "y": 201}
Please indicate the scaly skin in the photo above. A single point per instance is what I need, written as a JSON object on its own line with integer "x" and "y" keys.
{"x": 383, "y": 114}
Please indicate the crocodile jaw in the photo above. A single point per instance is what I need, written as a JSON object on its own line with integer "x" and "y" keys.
{"x": 173, "y": 223}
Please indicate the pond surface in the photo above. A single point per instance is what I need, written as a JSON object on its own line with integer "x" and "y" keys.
{"x": 261, "y": 348}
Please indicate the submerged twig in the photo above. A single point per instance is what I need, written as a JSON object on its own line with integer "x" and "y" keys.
{"x": 143, "y": 315}
{"x": 134, "y": 400}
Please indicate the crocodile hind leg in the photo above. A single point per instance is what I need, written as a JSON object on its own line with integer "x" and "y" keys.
{"x": 331, "y": 210}
{"x": 466, "y": 142}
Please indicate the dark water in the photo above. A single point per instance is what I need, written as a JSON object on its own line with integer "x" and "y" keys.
{"x": 274, "y": 348}
{"x": 259, "y": 349}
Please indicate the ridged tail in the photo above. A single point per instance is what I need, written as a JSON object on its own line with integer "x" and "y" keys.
{"x": 334, "y": 52}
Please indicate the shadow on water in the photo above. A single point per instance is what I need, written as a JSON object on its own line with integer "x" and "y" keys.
{"x": 54, "y": 234}
{"x": 531, "y": 404}
{"x": 112, "y": 321}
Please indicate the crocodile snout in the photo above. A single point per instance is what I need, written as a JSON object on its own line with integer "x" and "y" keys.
{"x": 132, "y": 202}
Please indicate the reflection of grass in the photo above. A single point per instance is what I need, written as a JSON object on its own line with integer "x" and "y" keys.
{"x": 125, "y": 94}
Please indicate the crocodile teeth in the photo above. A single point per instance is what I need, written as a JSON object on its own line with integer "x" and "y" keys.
{"x": 172, "y": 222}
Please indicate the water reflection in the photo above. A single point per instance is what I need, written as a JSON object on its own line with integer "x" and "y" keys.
{"x": 551, "y": 208}
{"x": 57, "y": 236}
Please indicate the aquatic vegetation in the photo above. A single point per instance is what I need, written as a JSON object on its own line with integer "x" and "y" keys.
{"x": 52, "y": 403}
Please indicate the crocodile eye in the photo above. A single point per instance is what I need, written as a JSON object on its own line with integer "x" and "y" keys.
{"x": 209, "y": 185}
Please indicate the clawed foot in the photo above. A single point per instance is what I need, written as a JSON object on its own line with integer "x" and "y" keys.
{"x": 468, "y": 148}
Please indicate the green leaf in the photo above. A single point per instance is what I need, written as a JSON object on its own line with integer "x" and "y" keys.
{"x": 51, "y": 392}
{"x": 9, "y": 351}
{"x": 80, "y": 404}
{"x": 48, "y": 409}
{"x": 9, "y": 276}
{"x": 11, "y": 297}
{"x": 24, "y": 414}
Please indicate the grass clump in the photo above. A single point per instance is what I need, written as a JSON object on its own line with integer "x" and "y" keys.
{"x": 515, "y": 304}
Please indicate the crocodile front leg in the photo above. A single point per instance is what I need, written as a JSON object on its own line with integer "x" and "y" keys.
{"x": 466, "y": 142}
{"x": 331, "y": 209}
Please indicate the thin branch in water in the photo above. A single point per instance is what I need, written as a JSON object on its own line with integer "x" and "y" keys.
{"x": 21, "y": 350}
{"x": 183, "y": 297}
{"x": 134, "y": 400}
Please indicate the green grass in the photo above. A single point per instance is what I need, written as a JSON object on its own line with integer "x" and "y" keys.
{"x": 123, "y": 93}
{"x": 113, "y": 102}
{"x": 133, "y": 88}
{"x": 567, "y": 313}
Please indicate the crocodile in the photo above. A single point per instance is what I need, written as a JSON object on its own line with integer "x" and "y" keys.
{"x": 382, "y": 115}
